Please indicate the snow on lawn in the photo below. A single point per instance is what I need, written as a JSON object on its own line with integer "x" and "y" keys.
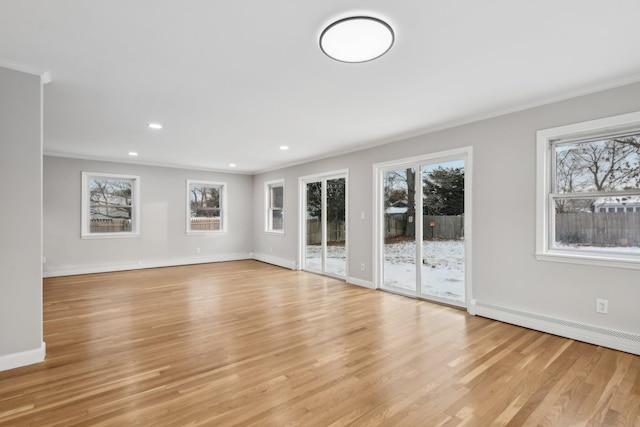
{"x": 442, "y": 269}
{"x": 336, "y": 259}
{"x": 635, "y": 250}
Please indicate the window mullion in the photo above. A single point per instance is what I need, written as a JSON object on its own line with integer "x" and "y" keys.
{"x": 596, "y": 194}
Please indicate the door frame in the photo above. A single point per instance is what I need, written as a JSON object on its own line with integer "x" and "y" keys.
{"x": 464, "y": 153}
{"x": 302, "y": 216}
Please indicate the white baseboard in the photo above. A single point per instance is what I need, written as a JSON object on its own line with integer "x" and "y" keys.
{"x": 619, "y": 340}
{"x": 106, "y": 268}
{"x": 280, "y": 262}
{"x": 23, "y": 358}
{"x": 360, "y": 282}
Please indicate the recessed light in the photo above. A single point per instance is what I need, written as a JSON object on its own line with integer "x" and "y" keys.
{"x": 133, "y": 153}
{"x": 284, "y": 147}
{"x": 357, "y": 39}
{"x": 232, "y": 165}
{"x": 155, "y": 126}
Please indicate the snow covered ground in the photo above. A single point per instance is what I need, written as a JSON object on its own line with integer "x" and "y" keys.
{"x": 336, "y": 259}
{"x": 442, "y": 271}
{"x": 634, "y": 250}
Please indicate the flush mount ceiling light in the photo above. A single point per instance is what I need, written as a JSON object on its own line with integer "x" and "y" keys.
{"x": 154, "y": 126}
{"x": 357, "y": 39}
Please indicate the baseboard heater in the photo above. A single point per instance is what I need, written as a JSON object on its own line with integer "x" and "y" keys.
{"x": 619, "y": 340}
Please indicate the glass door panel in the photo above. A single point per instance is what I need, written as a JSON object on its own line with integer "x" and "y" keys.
{"x": 336, "y": 261}
{"x": 443, "y": 257}
{"x": 314, "y": 244}
{"x": 399, "y": 268}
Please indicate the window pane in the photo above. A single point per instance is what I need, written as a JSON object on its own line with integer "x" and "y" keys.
{"x": 205, "y": 201}
{"x": 277, "y": 194}
{"x": 336, "y": 259}
{"x": 598, "y": 165}
{"x": 204, "y": 204}
{"x": 400, "y": 229}
{"x": 110, "y": 208}
{"x": 277, "y": 222}
{"x": 584, "y": 224}
{"x": 313, "y": 255}
{"x": 442, "y": 266}
{"x": 275, "y": 206}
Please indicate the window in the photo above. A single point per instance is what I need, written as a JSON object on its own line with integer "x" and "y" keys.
{"x": 206, "y": 207}
{"x": 274, "y": 206}
{"x": 109, "y": 205}
{"x": 589, "y": 192}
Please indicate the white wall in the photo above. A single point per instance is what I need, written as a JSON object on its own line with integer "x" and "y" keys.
{"x": 508, "y": 282}
{"x": 21, "y": 219}
{"x": 162, "y": 241}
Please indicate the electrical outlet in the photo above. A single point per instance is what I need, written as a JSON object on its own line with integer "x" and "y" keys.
{"x": 197, "y": 250}
{"x": 602, "y": 306}
{"x": 362, "y": 267}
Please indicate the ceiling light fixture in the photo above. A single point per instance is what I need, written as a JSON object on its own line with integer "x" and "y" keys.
{"x": 284, "y": 147}
{"x": 155, "y": 126}
{"x": 357, "y": 39}
{"x": 133, "y": 154}
{"x": 232, "y": 165}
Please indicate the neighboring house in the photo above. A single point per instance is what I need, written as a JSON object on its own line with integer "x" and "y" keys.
{"x": 399, "y": 207}
{"x": 617, "y": 204}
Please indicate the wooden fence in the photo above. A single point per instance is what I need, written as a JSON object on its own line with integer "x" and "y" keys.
{"x": 109, "y": 225}
{"x": 122, "y": 225}
{"x": 205, "y": 223}
{"x": 599, "y": 229}
{"x": 336, "y": 231}
{"x": 444, "y": 227}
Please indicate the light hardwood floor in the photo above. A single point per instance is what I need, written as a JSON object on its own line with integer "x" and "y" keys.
{"x": 246, "y": 343}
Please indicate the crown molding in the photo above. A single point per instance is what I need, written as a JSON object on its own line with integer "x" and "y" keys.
{"x": 45, "y": 75}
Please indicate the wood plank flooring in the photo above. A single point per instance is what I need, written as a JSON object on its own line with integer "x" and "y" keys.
{"x": 246, "y": 343}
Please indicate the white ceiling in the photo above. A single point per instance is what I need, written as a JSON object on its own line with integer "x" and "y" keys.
{"x": 231, "y": 81}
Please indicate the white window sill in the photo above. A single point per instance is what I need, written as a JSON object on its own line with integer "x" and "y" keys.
{"x": 109, "y": 235}
{"x": 201, "y": 232}
{"x": 275, "y": 233}
{"x": 596, "y": 259}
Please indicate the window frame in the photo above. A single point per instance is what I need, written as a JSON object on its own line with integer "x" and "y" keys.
{"x": 546, "y": 140}
{"x": 223, "y": 206}
{"x": 268, "y": 201}
{"x": 85, "y": 230}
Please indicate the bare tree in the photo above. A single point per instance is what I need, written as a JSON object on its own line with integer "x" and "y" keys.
{"x": 110, "y": 199}
{"x": 600, "y": 165}
{"x": 205, "y": 201}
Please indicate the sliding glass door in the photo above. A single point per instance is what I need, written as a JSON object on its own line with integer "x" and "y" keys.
{"x": 324, "y": 224}
{"x": 422, "y": 223}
